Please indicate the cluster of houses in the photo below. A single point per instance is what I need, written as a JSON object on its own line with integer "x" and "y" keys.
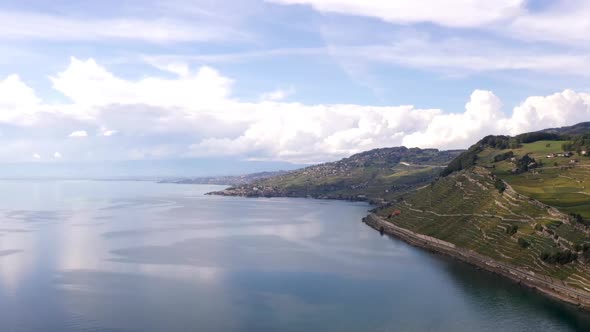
{"x": 564, "y": 154}
{"x": 567, "y": 155}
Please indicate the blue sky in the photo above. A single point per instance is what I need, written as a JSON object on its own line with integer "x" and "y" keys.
{"x": 282, "y": 81}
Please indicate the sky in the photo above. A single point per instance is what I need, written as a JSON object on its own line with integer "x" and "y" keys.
{"x": 266, "y": 84}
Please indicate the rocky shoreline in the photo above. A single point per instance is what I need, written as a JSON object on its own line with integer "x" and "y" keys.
{"x": 551, "y": 287}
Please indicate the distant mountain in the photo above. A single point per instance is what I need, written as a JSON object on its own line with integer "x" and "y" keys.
{"x": 578, "y": 129}
{"x": 225, "y": 180}
{"x": 377, "y": 175}
{"x": 152, "y": 169}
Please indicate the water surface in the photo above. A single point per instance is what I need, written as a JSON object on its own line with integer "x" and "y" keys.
{"x": 141, "y": 256}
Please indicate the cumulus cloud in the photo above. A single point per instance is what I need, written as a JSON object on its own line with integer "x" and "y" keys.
{"x": 482, "y": 116}
{"x": 88, "y": 83}
{"x": 556, "y": 110}
{"x": 18, "y": 102}
{"x": 195, "y": 115}
{"x": 57, "y": 155}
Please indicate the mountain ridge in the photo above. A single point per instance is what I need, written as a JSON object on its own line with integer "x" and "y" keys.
{"x": 375, "y": 175}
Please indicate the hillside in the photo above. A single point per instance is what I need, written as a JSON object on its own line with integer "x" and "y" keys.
{"x": 380, "y": 174}
{"x": 551, "y": 167}
{"x": 578, "y": 129}
{"x": 521, "y": 200}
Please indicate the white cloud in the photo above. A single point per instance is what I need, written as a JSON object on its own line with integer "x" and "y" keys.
{"x": 556, "y": 110}
{"x": 277, "y": 95}
{"x": 457, "y": 55}
{"x": 88, "y": 83}
{"x": 483, "y": 117}
{"x": 564, "y": 22}
{"x": 18, "y": 102}
{"x": 463, "y": 56}
{"x": 558, "y": 22}
{"x": 16, "y": 94}
{"x": 26, "y": 25}
{"x": 36, "y": 156}
{"x": 181, "y": 123}
{"x": 179, "y": 68}
{"x": 57, "y": 155}
{"x": 106, "y": 132}
{"x": 452, "y": 13}
{"x": 78, "y": 133}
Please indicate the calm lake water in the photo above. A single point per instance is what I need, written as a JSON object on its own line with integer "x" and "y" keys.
{"x": 140, "y": 256}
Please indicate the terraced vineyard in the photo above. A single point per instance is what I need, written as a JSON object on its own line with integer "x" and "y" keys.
{"x": 468, "y": 210}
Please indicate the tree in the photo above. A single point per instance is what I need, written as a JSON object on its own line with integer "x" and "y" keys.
{"x": 500, "y": 185}
{"x": 511, "y": 230}
{"x": 523, "y": 243}
{"x": 560, "y": 257}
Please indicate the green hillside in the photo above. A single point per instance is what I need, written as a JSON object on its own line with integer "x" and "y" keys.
{"x": 376, "y": 175}
{"x": 523, "y": 200}
{"x": 554, "y": 171}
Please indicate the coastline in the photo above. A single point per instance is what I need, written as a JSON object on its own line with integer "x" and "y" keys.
{"x": 553, "y": 288}
{"x": 369, "y": 200}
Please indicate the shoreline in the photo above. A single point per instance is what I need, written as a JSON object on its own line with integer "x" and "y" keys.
{"x": 370, "y": 201}
{"x": 548, "y": 286}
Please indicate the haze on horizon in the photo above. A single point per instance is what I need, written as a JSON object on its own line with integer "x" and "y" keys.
{"x": 181, "y": 87}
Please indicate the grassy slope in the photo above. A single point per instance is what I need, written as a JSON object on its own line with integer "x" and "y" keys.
{"x": 367, "y": 181}
{"x": 564, "y": 186}
{"x": 466, "y": 209}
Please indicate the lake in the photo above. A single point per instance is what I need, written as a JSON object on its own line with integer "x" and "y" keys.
{"x": 142, "y": 256}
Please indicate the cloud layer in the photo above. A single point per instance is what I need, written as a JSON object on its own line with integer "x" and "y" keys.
{"x": 195, "y": 114}
{"x": 21, "y": 25}
{"x": 453, "y": 13}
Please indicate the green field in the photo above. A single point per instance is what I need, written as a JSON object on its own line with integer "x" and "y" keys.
{"x": 556, "y": 182}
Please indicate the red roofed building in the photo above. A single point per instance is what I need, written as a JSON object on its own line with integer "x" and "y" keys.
{"x": 394, "y": 213}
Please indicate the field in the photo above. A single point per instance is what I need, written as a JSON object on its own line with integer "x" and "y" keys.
{"x": 556, "y": 181}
